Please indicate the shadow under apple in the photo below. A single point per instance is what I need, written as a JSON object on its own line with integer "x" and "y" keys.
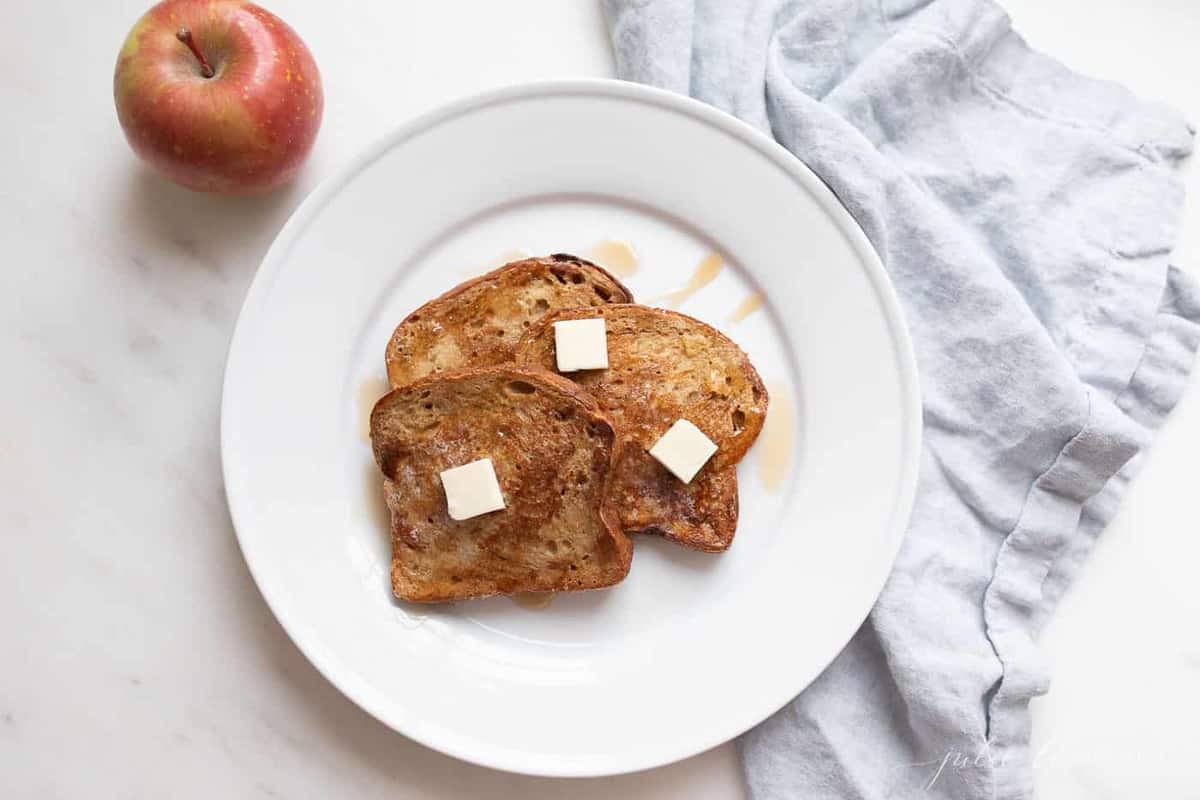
{"x": 207, "y": 231}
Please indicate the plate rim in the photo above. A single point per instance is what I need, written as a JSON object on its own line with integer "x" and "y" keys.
{"x": 326, "y": 189}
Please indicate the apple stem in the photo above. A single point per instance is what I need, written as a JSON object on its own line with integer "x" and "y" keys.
{"x": 184, "y": 35}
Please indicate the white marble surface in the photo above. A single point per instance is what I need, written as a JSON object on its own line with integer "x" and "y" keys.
{"x": 136, "y": 657}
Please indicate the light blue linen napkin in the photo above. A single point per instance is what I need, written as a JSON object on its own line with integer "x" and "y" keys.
{"x": 1026, "y": 216}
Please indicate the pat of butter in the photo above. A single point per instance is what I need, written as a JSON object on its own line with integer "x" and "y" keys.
{"x": 683, "y": 449}
{"x": 472, "y": 489}
{"x": 580, "y": 344}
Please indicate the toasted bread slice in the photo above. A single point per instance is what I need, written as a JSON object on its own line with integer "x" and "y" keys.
{"x": 665, "y": 366}
{"x": 552, "y": 450}
{"x": 476, "y": 323}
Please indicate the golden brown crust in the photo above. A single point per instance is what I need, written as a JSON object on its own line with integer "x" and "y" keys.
{"x": 701, "y": 515}
{"x": 553, "y": 451}
{"x": 665, "y": 366}
{"x": 477, "y": 323}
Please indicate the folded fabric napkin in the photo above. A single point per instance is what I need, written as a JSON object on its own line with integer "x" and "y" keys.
{"x": 1026, "y": 216}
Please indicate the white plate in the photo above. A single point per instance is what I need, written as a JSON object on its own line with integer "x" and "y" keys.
{"x": 691, "y": 649}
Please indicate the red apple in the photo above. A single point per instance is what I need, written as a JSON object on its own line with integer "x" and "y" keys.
{"x": 218, "y": 95}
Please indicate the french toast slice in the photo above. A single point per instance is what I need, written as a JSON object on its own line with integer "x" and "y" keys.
{"x": 477, "y": 323}
{"x": 553, "y": 452}
{"x": 664, "y": 366}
